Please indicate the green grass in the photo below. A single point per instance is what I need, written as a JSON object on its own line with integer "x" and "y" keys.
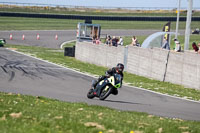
{"x": 58, "y": 57}
{"x": 29, "y": 114}
{"x": 21, "y": 23}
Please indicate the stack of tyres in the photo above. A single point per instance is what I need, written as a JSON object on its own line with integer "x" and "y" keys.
{"x": 69, "y": 51}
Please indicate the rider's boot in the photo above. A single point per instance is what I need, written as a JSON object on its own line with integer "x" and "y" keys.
{"x": 94, "y": 83}
{"x": 114, "y": 91}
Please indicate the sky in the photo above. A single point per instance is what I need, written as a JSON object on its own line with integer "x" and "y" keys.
{"x": 114, "y": 3}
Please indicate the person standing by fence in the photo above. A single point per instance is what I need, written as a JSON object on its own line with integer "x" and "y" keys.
{"x": 177, "y": 46}
{"x": 134, "y": 41}
{"x": 195, "y": 47}
{"x": 165, "y": 44}
{"x": 120, "y": 42}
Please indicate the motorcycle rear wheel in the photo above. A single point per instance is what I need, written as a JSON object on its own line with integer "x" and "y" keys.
{"x": 90, "y": 94}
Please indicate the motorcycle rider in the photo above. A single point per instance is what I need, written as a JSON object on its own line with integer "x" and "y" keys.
{"x": 118, "y": 69}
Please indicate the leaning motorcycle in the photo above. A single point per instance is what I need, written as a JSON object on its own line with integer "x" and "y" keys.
{"x": 105, "y": 87}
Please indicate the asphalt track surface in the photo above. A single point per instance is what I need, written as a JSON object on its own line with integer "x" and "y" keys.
{"x": 47, "y": 38}
{"x": 27, "y": 75}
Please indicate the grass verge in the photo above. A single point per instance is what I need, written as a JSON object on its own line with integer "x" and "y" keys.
{"x": 21, "y": 23}
{"x": 22, "y": 114}
{"x": 58, "y": 57}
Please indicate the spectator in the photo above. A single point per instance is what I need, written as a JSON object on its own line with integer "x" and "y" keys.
{"x": 178, "y": 46}
{"x": 98, "y": 41}
{"x": 165, "y": 44}
{"x": 94, "y": 39}
{"x": 120, "y": 42}
{"x": 108, "y": 40}
{"x": 175, "y": 42}
{"x": 195, "y": 47}
{"x": 134, "y": 41}
{"x": 114, "y": 41}
{"x": 199, "y": 47}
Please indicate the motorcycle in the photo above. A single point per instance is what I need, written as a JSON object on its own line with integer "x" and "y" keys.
{"x": 105, "y": 87}
{"x": 196, "y": 31}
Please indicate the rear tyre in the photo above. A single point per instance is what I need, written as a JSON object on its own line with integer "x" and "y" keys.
{"x": 105, "y": 93}
{"x": 90, "y": 94}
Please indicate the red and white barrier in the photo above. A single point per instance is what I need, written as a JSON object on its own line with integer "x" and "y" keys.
{"x": 11, "y": 36}
{"x": 38, "y": 37}
{"x": 56, "y": 37}
{"x": 23, "y": 37}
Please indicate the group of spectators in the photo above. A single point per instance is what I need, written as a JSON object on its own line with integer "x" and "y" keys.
{"x": 177, "y": 48}
{"x": 165, "y": 45}
{"x": 114, "y": 41}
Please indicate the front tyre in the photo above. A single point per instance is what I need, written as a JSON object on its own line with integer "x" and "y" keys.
{"x": 90, "y": 94}
{"x": 105, "y": 93}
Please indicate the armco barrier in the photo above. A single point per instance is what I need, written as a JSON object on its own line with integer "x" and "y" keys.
{"x": 163, "y": 65}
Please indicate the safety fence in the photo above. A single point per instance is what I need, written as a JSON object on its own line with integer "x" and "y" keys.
{"x": 179, "y": 68}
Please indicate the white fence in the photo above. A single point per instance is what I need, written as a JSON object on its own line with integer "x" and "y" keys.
{"x": 163, "y": 65}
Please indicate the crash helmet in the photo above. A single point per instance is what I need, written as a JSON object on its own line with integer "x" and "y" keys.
{"x": 120, "y": 67}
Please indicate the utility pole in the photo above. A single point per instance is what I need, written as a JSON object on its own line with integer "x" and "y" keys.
{"x": 188, "y": 23}
{"x": 177, "y": 22}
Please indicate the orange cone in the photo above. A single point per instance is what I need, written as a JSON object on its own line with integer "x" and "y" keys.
{"x": 11, "y": 37}
{"x": 56, "y": 37}
{"x": 38, "y": 37}
{"x": 23, "y": 37}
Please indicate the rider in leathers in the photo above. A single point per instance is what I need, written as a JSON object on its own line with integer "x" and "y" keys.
{"x": 118, "y": 69}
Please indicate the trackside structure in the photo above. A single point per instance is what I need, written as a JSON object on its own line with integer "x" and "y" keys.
{"x": 87, "y": 31}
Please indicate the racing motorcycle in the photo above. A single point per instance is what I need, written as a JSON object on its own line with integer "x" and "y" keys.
{"x": 105, "y": 87}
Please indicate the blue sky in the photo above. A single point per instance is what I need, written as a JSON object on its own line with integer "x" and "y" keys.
{"x": 113, "y": 3}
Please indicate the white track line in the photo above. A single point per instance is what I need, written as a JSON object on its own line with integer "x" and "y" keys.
{"x": 33, "y": 67}
{"x": 61, "y": 46}
{"x": 95, "y": 76}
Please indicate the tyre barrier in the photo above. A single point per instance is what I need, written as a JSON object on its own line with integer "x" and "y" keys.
{"x": 108, "y": 18}
{"x": 69, "y": 51}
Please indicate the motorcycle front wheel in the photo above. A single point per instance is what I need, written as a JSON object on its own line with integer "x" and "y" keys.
{"x": 105, "y": 93}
